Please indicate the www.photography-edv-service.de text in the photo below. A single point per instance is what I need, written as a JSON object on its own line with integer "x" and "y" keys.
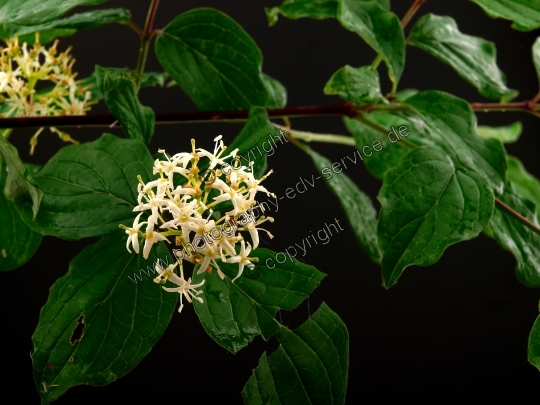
{"x": 300, "y": 187}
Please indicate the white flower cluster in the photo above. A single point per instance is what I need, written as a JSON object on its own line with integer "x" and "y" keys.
{"x": 22, "y": 68}
{"x": 183, "y": 210}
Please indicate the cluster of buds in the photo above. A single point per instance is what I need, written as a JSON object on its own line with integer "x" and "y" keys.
{"x": 181, "y": 204}
{"x": 22, "y": 69}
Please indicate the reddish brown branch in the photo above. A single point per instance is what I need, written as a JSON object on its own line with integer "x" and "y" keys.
{"x": 517, "y": 215}
{"x": 411, "y": 12}
{"x": 343, "y": 109}
{"x": 529, "y": 106}
{"x": 106, "y": 120}
{"x": 149, "y": 26}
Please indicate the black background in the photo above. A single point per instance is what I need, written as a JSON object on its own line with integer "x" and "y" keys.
{"x": 453, "y": 331}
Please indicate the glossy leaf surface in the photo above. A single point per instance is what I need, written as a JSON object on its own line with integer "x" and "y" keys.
{"x": 514, "y": 236}
{"x": 215, "y": 62}
{"x": 34, "y": 12}
{"x": 97, "y": 325}
{"x": 428, "y": 203}
{"x": 450, "y": 123}
{"x": 234, "y": 313}
{"x": 506, "y": 134}
{"x": 90, "y": 188}
{"x": 309, "y": 367}
{"x": 525, "y": 184}
{"x": 473, "y": 58}
{"x": 120, "y": 95}
{"x": 524, "y": 13}
{"x": 294, "y": 9}
{"x": 357, "y": 85}
{"x": 380, "y": 28}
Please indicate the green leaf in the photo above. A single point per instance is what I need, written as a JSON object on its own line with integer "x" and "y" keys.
{"x": 506, "y": 134}
{"x": 90, "y": 189}
{"x": 294, "y": 9}
{"x": 90, "y": 19}
{"x": 358, "y": 207}
{"x": 380, "y": 28}
{"x": 473, "y": 58}
{"x": 524, "y": 13}
{"x": 152, "y": 79}
{"x": 120, "y": 95}
{"x": 252, "y": 139}
{"x": 405, "y": 94}
{"x": 428, "y": 203}
{"x": 18, "y": 242}
{"x": 19, "y": 185}
{"x": 277, "y": 94}
{"x": 357, "y": 85}
{"x": 27, "y": 33}
{"x": 525, "y": 184}
{"x": 379, "y": 163}
{"x": 536, "y": 57}
{"x": 34, "y": 12}
{"x": 64, "y": 27}
{"x": 533, "y": 352}
{"x": 148, "y": 79}
{"x": 309, "y": 367}
{"x": 450, "y": 123}
{"x": 513, "y": 235}
{"x": 215, "y": 62}
{"x": 97, "y": 325}
{"x": 234, "y": 313}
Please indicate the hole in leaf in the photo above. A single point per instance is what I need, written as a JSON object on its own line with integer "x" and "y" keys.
{"x": 78, "y": 332}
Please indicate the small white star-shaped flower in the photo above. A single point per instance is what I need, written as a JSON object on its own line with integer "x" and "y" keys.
{"x": 184, "y": 288}
{"x": 242, "y": 259}
{"x": 133, "y": 234}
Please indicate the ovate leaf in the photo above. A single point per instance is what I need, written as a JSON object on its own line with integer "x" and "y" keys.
{"x": 516, "y": 237}
{"x": 525, "y": 184}
{"x": 428, "y": 203}
{"x": 524, "y": 13}
{"x": 120, "y": 95}
{"x": 18, "y": 242}
{"x": 379, "y": 163}
{"x": 357, "y": 205}
{"x": 380, "y": 28}
{"x": 507, "y": 134}
{"x": 215, "y": 62}
{"x": 34, "y": 12}
{"x": 309, "y": 367}
{"x": 97, "y": 325}
{"x": 277, "y": 94}
{"x": 450, "y": 123}
{"x": 234, "y": 313}
{"x": 19, "y": 185}
{"x": 90, "y": 188}
{"x": 473, "y": 58}
{"x": 357, "y": 85}
{"x": 294, "y": 9}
